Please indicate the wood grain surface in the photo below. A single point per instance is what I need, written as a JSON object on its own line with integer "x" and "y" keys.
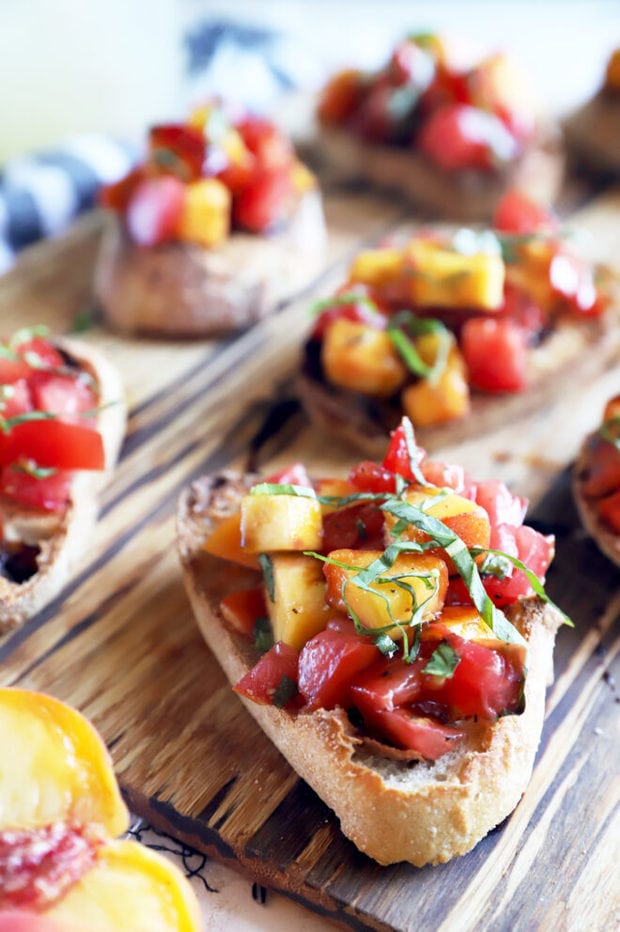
{"x": 121, "y": 645}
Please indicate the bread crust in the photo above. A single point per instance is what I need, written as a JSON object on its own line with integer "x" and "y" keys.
{"x": 393, "y": 811}
{"x": 467, "y": 194}
{"x": 181, "y": 289}
{"x": 592, "y": 133}
{"x": 64, "y": 537}
{"x": 601, "y": 533}
{"x": 577, "y": 351}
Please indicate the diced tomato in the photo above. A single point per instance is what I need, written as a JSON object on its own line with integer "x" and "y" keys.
{"x": 64, "y": 395}
{"x": 49, "y": 492}
{"x": 518, "y": 213}
{"x": 521, "y": 309}
{"x": 364, "y": 311}
{"x": 154, "y": 210}
{"x": 377, "y": 118}
{"x": 16, "y": 398}
{"x": 397, "y": 458}
{"x": 602, "y": 473}
{"x": 457, "y": 592}
{"x": 536, "y": 551}
{"x": 451, "y": 476}
{"x": 52, "y": 443}
{"x": 264, "y": 201}
{"x": 37, "y": 350}
{"x": 25, "y": 920}
{"x": 178, "y": 149}
{"x": 387, "y": 684}
{"x": 609, "y": 510}
{"x": 327, "y": 664}
{"x": 495, "y": 353}
{"x": 501, "y": 505}
{"x": 409, "y": 731}
{"x": 371, "y": 477}
{"x": 295, "y": 474}
{"x": 242, "y": 609}
{"x": 116, "y": 196}
{"x": 262, "y": 682}
{"x": 485, "y": 683}
{"x": 358, "y": 527}
{"x": 447, "y": 87}
{"x": 273, "y": 150}
{"x": 573, "y": 279}
{"x": 458, "y": 136}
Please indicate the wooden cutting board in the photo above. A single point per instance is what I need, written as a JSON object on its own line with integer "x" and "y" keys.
{"x": 120, "y": 643}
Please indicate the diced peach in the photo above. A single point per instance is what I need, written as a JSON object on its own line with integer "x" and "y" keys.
{"x": 466, "y": 621}
{"x": 129, "y": 887}
{"x": 612, "y": 72}
{"x": 468, "y": 520}
{"x": 336, "y": 488}
{"x": 280, "y": 522}
{"x": 242, "y": 608}
{"x": 377, "y": 267}
{"x": 443, "y": 277}
{"x": 445, "y": 398}
{"x": 612, "y": 409}
{"x": 225, "y": 542}
{"x": 361, "y": 358}
{"x": 298, "y": 610}
{"x": 205, "y": 216}
{"x": 391, "y": 600}
{"x": 302, "y": 178}
{"x": 340, "y": 96}
{"x": 58, "y": 768}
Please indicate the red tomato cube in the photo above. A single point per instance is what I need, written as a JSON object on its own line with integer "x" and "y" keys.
{"x": 154, "y": 210}
{"x": 495, "y": 353}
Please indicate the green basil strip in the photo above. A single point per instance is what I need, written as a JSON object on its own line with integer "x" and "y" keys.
{"x": 31, "y": 469}
{"x": 7, "y": 423}
{"x": 266, "y": 565}
{"x": 349, "y": 297}
{"x": 263, "y": 635}
{"x": 533, "y": 579}
{"x": 339, "y": 501}
{"x": 405, "y": 323}
{"x": 413, "y": 451}
{"x": 464, "y": 562}
{"x": 443, "y": 661}
{"x": 28, "y": 333}
{"x": 284, "y": 692}
{"x": 279, "y": 488}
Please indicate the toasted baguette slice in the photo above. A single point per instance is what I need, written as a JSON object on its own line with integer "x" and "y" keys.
{"x": 592, "y": 134}
{"x": 576, "y": 352}
{"x": 391, "y": 809}
{"x": 466, "y": 195}
{"x": 62, "y": 538}
{"x": 182, "y": 289}
{"x": 601, "y": 533}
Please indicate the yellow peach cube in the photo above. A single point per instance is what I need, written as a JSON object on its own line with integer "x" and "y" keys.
{"x": 298, "y": 610}
{"x": 205, "y": 216}
{"x": 361, "y": 358}
{"x": 280, "y": 522}
{"x": 443, "y": 277}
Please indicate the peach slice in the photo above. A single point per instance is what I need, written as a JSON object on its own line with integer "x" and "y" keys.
{"x": 58, "y": 768}
{"x": 128, "y": 887}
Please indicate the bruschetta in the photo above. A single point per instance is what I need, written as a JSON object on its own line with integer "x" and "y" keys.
{"x": 593, "y": 130}
{"x": 62, "y": 419}
{"x": 62, "y": 865}
{"x": 389, "y": 632}
{"x": 451, "y": 138}
{"x": 459, "y": 330}
{"x": 218, "y": 225}
{"x": 596, "y": 482}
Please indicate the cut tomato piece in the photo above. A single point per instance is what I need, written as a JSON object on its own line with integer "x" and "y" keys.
{"x": 602, "y": 472}
{"x": 500, "y": 504}
{"x": 412, "y": 732}
{"x": 518, "y": 213}
{"x": 358, "y": 527}
{"x": 178, "y": 149}
{"x": 371, "y": 477}
{"x": 31, "y": 354}
{"x": 272, "y": 679}
{"x": 51, "y": 493}
{"x": 495, "y": 353}
{"x": 155, "y": 209}
{"x": 327, "y": 664}
{"x": 264, "y": 201}
{"x": 16, "y": 398}
{"x": 451, "y": 476}
{"x": 362, "y": 311}
{"x": 397, "y": 458}
{"x": 458, "y": 136}
{"x": 63, "y": 395}
{"x": 535, "y": 550}
{"x": 53, "y": 444}
{"x": 272, "y": 149}
{"x": 609, "y": 510}
{"x": 295, "y": 474}
{"x": 386, "y": 685}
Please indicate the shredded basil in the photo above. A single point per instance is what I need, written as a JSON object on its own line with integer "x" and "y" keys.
{"x": 386, "y": 645}
{"x": 610, "y": 431}
{"x": 413, "y": 451}
{"x": 266, "y": 566}
{"x": 263, "y": 635}
{"x": 30, "y": 468}
{"x": 83, "y": 321}
{"x": 27, "y": 333}
{"x": 443, "y": 661}
{"x": 350, "y": 297}
{"x": 405, "y": 323}
{"x": 533, "y": 579}
{"x": 284, "y": 691}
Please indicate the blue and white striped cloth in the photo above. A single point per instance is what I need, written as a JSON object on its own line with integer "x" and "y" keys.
{"x": 41, "y": 193}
